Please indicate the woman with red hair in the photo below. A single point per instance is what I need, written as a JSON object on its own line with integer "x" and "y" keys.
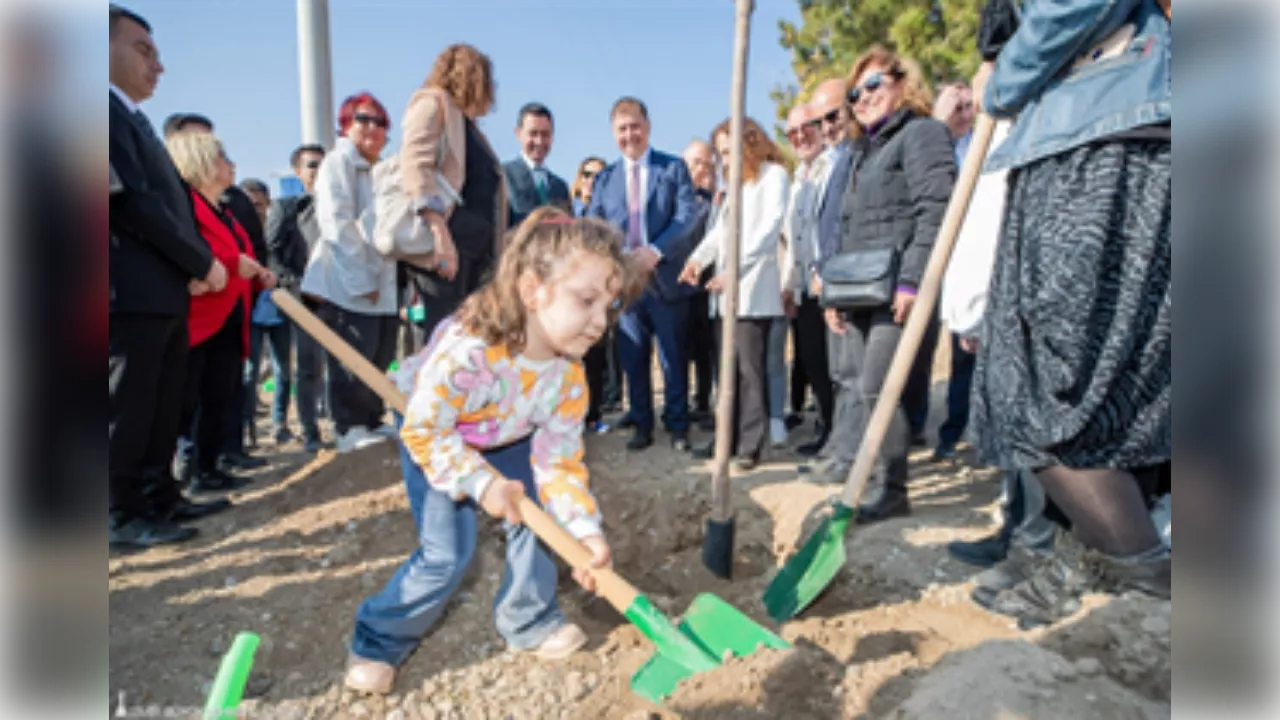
{"x": 354, "y": 284}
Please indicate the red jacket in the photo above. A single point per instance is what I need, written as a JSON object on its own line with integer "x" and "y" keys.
{"x": 210, "y": 310}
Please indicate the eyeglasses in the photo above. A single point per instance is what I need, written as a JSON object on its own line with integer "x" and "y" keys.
{"x": 831, "y": 118}
{"x": 872, "y": 84}
{"x": 376, "y": 120}
{"x": 796, "y": 133}
{"x": 587, "y": 174}
{"x": 313, "y": 165}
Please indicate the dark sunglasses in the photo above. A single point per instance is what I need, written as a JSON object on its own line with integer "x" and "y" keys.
{"x": 588, "y": 174}
{"x": 313, "y": 165}
{"x": 830, "y": 118}
{"x": 364, "y": 119}
{"x": 872, "y": 84}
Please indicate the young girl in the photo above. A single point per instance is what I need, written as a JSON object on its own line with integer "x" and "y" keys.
{"x": 496, "y": 407}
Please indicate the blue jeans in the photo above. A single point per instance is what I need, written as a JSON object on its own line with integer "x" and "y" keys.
{"x": 280, "y": 340}
{"x": 390, "y": 625}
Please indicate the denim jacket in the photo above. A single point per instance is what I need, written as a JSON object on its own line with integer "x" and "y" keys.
{"x": 1076, "y": 71}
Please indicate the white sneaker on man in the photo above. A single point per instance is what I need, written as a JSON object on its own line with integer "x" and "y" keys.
{"x": 358, "y": 437}
{"x": 777, "y": 432}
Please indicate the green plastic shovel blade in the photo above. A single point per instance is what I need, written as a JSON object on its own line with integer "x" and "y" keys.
{"x": 228, "y": 686}
{"x": 806, "y": 575}
{"x": 719, "y": 630}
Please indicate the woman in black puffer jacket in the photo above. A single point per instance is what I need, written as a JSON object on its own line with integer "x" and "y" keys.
{"x": 902, "y": 174}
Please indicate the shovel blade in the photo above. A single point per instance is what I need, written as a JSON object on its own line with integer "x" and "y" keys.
{"x": 811, "y": 570}
{"x": 714, "y": 625}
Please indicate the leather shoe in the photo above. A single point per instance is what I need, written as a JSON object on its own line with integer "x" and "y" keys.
{"x": 625, "y": 422}
{"x": 812, "y": 448}
{"x": 981, "y": 553}
{"x": 142, "y": 533}
{"x": 891, "y": 504}
{"x": 216, "y": 481}
{"x": 230, "y": 462}
{"x": 746, "y": 462}
{"x": 640, "y": 440}
{"x": 944, "y": 451}
{"x": 185, "y": 510}
{"x": 794, "y": 421}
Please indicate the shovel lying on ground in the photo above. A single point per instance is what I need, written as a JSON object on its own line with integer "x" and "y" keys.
{"x": 811, "y": 570}
{"x": 711, "y": 631}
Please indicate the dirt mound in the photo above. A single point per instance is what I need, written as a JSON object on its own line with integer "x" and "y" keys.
{"x": 1130, "y": 637}
{"x": 1011, "y": 679}
{"x": 314, "y": 536}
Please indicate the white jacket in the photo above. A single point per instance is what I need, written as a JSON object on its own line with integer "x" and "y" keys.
{"x": 964, "y": 286}
{"x": 344, "y": 266}
{"x": 764, "y": 207}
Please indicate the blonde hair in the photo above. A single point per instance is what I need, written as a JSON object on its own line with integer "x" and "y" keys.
{"x": 195, "y": 155}
{"x": 916, "y": 93}
{"x": 540, "y": 245}
{"x": 757, "y": 148}
{"x": 466, "y": 74}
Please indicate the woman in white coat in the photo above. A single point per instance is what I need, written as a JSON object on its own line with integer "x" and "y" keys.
{"x": 354, "y": 284}
{"x": 764, "y": 205}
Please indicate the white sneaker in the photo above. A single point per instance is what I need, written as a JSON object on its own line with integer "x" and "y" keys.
{"x": 562, "y": 643}
{"x": 369, "y": 676}
{"x": 358, "y": 438}
{"x": 777, "y": 432}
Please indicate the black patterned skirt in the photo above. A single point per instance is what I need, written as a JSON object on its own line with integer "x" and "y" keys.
{"x": 1075, "y": 362}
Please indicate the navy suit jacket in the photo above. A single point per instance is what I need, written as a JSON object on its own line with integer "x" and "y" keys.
{"x": 829, "y": 214}
{"x": 670, "y": 215}
{"x": 522, "y": 194}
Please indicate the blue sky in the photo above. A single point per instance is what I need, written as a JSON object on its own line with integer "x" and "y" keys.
{"x": 236, "y": 61}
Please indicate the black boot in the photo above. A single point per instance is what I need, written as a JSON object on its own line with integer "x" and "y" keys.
{"x": 891, "y": 501}
{"x": 992, "y": 549}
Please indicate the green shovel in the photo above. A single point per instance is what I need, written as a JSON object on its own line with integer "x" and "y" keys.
{"x": 711, "y": 630}
{"x": 812, "y": 569}
{"x": 233, "y": 674}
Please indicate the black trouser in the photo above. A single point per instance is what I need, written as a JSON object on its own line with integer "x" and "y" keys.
{"x": 952, "y": 429}
{"x": 352, "y": 403}
{"x": 702, "y": 349}
{"x": 860, "y": 360}
{"x": 750, "y": 406}
{"x": 916, "y": 394}
{"x": 146, "y": 364}
{"x": 594, "y": 365}
{"x": 613, "y": 376}
{"x": 811, "y": 355}
{"x": 215, "y": 373}
{"x": 799, "y": 376}
{"x": 442, "y": 298}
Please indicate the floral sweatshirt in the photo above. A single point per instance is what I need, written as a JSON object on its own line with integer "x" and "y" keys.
{"x": 466, "y": 397}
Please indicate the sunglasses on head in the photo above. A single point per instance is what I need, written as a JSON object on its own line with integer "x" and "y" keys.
{"x": 365, "y": 119}
{"x": 873, "y": 83}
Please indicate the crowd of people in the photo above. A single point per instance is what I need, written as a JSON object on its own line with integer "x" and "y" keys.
{"x": 1061, "y": 378}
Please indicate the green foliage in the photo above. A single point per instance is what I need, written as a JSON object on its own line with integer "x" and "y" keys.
{"x": 939, "y": 34}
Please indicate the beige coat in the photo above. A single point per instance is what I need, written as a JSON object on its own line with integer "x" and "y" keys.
{"x": 431, "y": 117}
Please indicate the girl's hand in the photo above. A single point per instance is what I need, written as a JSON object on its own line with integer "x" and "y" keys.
{"x": 501, "y": 499}
{"x": 601, "y": 557}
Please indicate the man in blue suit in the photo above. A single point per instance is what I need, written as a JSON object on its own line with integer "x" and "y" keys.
{"x": 648, "y": 195}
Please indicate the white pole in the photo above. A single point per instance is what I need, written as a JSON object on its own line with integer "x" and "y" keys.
{"x": 315, "y": 74}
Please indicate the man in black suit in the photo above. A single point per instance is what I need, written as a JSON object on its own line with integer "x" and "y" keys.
{"x": 157, "y": 259}
{"x": 530, "y": 184}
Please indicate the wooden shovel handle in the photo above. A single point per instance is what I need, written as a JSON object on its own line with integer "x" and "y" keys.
{"x": 921, "y": 312}
{"x": 609, "y": 584}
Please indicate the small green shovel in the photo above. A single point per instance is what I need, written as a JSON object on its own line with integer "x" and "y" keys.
{"x": 811, "y": 570}
{"x": 712, "y": 629}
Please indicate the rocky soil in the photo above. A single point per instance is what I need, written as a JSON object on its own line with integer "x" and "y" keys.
{"x": 896, "y": 635}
